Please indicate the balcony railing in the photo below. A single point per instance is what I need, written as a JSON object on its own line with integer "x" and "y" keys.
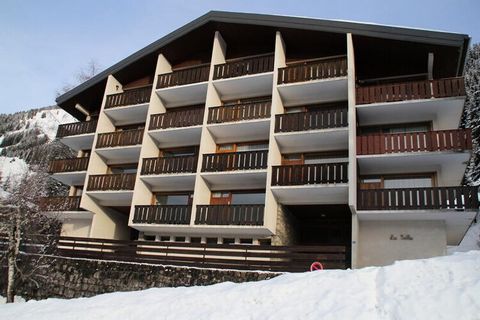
{"x": 111, "y": 182}
{"x": 304, "y": 174}
{"x": 61, "y": 203}
{"x": 177, "y": 119}
{"x": 178, "y": 164}
{"x": 312, "y": 120}
{"x": 244, "y": 66}
{"x": 184, "y": 76}
{"x": 459, "y": 198}
{"x": 68, "y": 165}
{"x": 444, "y": 140}
{"x": 240, "y": 215}
{"x": 238, "y": 112}
{"x": 412, "y": 90}
{"x": 76, "y": 128}
{"x": 129, "y": 97}
{"x": 323, "y": 68}
{"x": 120, "y": 138}
{"x": 245, "y": 160}
{"x": 163, "y": 214}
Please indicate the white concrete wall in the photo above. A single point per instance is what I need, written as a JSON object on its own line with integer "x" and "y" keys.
{"x": 377, "y": 247}
{"x": 76, "y": 228}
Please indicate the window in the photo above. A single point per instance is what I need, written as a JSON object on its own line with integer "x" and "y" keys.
{"x": 195, "y": 240}
{"x": 248, "y": 198}
{"x": 165, "y": 238}
{"x": 407, "y": 182}
{"x": 180, "y": 239}
{"x": 265, "y": 242}
{"x": 188, "y": 151}
{"x": 212, "y": 240}
{"x": 228, "y": 241}
{"x": 163, "y": 199}
{"x": 253, "y": 147}
{"x": 246, "y": 241}
{"x": 124, "y": 168}
{"x": 148, "y": 237}
{"x": 238, "y": 147}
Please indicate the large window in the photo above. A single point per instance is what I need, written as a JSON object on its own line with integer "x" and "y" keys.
{"x": 407, "y": 182}
{"x": 124, "y": 168}
{"x": 173, "y": 199}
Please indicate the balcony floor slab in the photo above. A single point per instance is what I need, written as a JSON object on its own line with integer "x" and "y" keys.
{"x": 240, "y": 131}
{"x": 255, "y": 85}
{"x": 315, "y": 91}
{"x": 79, "y": 142}
{"x": 128, "y": 114}
{"x": 76, "y": 178}
{"x": 116, "y": 155}
{"x": 170, "y": 182}
{"x": 204, "y": 230}
{"x": 236, "y": 180}
{"x": 121, "y": 198}
{"x": 189, "y": 94}
{"x": 177, "y": 137}
{"x": 311, "y": 194}
{"x": 456, "y": 222}
{"x": 313, "y": 140}
{"x": 446, "y": 111}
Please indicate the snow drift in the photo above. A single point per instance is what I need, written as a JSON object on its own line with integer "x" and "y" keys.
{"x": 438, "y": 288}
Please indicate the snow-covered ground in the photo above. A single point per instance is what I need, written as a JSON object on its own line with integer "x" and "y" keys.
{"x": 438, "y": 288}
{"x": 12, "y": 170}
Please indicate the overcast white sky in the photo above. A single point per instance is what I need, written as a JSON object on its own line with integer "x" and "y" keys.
{"x": 44, "y": 43}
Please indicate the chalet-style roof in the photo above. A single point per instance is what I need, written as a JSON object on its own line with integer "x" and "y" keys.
{"x": 441, "y": 38}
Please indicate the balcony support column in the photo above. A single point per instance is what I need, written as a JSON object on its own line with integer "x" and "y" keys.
{"x": 142, "y": 193}
{"x": 274, "y": 155}
{"x": 207, "y": 142}
{"x": 352, "y": 147}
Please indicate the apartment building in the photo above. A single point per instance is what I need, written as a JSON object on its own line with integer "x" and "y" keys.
{"x": 273, "y": 130}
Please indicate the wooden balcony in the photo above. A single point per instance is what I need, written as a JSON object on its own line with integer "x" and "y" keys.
{"x": 76, "y": 128}
{"x": 240, "y": 215}
{"x": 315, "y": 69}
{"x": 411, "y": 90}
{"x": 244, "y": 66}
{"x": 184, "y": 76}
{"x": 458, "y": 198}
{"x": 163, "y": 214}
{"x": 312, "y": 120}
{"x": 68, "y": 165}
{"x": 120, "y": 138}
{"x": 60, "y": 203}
{"x": 177, "y": 119}
{"x": 245, "y": 160}
{"x": 444, "y": 140}
{"x": 324, "y": 173}
{"x": 238, "y": 112}
{"x": 111, "y": 182}
{"x": 129, "y": 97}
{"x": 169, "y": 165}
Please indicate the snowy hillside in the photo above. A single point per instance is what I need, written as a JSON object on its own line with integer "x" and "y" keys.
{"x": 26, "y": 139}
{"x": 438, "y": 288}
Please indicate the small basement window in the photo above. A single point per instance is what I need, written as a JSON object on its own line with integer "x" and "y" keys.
{"x": 165, "y": 238}
{"x": 246, "y": 241}
{"x": 179, "y": 239}
{"x": 195, "y": 240}
{"x": 228, "y": 241}
{"x": 147, "y": 237}
{"x": 212, "y": 240}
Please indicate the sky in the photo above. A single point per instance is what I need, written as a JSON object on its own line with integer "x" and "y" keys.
{"x": 43, "y": 44}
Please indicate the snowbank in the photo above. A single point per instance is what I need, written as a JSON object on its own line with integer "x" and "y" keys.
{"x": 471, "y": 241}
{"x": 438, "y": 288}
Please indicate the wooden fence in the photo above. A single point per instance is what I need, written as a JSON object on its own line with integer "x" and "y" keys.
{"x": 460, "y": 198}
{"x": 244, "y": 66}
{"x": 245, "y": 160}
{"x": 320, "y": 119}
{"x": 242, "y": 111}
{"x": 177, "y": 164}
{"x": 315, "y": 69}
{"x": 442, "y": 140}
{"x": 76, "y": 128}
{"x": 303, "y": 174}
{"x": 120, "y": 138}
{"x": 129, "y": 97}
{"x": 411, "y": 90}
{"x": 162, "y": 214}
{"x": 68, "y": 165}
{"x": 184, "y": 76}
{"x": 107, "y": 182}
{"x": 177, "y": 119}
